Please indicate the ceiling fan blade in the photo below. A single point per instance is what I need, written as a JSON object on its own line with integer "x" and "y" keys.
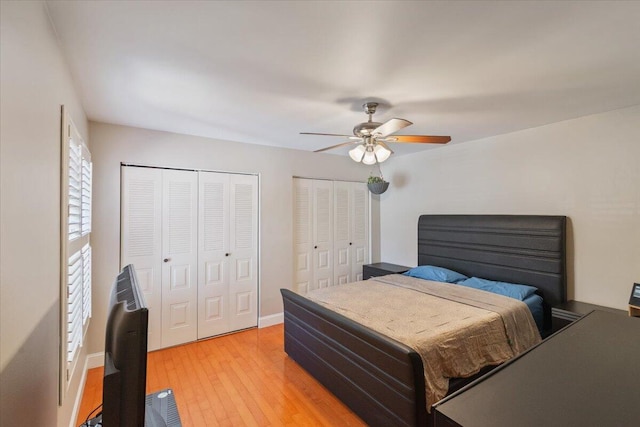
{"x": 391, "y": 126}
{"x": 419, "y": 139}
{"x": 335, "y": 146}
{"x": 331, "y": 134}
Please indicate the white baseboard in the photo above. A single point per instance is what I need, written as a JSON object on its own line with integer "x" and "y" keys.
{"x": 273, "y": 319}
{"x": 95, "y": 360}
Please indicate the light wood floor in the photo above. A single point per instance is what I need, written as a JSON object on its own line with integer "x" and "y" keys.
{"x": 242, "y": 379}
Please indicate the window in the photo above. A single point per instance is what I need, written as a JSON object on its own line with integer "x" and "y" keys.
{"x": 75, "y": 248}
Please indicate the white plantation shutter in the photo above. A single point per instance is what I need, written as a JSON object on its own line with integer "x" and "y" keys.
{"x": 86, "y": 192}
{"x": 86, "y": 283}
{"x": 76, "y": 249}
{"x": 74, "y": 305}
{"x": 74, "y": 189}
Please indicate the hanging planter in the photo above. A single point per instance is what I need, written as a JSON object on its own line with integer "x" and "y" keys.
{"x": 377, "y": 184}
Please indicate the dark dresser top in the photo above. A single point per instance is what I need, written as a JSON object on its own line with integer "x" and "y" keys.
{"x": 588, "y": 374}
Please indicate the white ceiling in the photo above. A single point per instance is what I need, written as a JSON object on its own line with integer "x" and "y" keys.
{"x": 261, "y": 72}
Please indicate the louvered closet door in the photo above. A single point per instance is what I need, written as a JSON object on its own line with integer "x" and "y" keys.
{"x": 322, "y": 234}
{"x": 342, "y": 232}
{"x": 213, "y": 254}
{"x": 359, "y": 197}
{"x": 303, "y": 235}
{"x": 331, "y": 232}
{"x": 141, "y": 242}
{"x": 179, "y": 251}
{"x": 243, "y": 252}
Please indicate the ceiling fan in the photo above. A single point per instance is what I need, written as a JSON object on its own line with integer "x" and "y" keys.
{"x": 372, "y": 138}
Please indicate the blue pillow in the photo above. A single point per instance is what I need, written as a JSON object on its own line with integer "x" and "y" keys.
{"x": 519, "y": 292}
{"x": 534, "y": 302}
{"x": 437, "y": 274}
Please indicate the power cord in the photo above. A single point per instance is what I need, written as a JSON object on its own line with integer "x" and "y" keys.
{"x": 91, "y": 413}
{"x": 89, "y": 422}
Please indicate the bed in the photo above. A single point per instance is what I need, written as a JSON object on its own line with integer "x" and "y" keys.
{"x": 381, "y": 379}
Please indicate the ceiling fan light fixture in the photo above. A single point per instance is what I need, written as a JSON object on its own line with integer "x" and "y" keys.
{"x": 381, "y": 153}
{"x": 369, "y": 158}
{"x": 357, "y": 153}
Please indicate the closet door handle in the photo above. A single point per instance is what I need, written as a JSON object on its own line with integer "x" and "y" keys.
{"x": 227, "y": 254}
{"x": 167, "y": 259}
{"x": 350, "y": 243}
{"x": 315, "y": 247}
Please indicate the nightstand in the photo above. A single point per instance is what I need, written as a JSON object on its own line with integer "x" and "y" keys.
{"x": 570, "y": 311}
{"x": 382, "y": 269}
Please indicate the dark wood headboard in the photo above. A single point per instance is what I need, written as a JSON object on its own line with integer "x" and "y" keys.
{"x": 526, "y": 249}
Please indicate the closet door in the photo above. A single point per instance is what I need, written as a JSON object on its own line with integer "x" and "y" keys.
{"x": 228, "y": 253}
{"x": 213, "y": 254}
{"x": 343, "y": 216}
{"x": 302, "y": 235}
{"x": 141, "y": 239}
{"x": 359, "y": 244}
{"x": 179, "y": 252}
{"x": 331, "y": 232}
{"x": 322, "y": 234}
{"x": 243, "y": 251}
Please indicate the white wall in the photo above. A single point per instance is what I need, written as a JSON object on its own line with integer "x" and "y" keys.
{"x": 112, "y": 144}
{"x": 587, "y": 169}
{"x": 35, "y": 82}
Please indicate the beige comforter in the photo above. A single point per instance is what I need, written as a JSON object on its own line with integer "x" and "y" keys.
{"x": 455, "y": 329}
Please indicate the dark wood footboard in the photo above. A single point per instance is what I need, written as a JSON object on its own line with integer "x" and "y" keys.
{"x": 380, "y": 379}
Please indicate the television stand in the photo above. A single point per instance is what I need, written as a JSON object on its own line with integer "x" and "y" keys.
{"x": 160, "y": 411}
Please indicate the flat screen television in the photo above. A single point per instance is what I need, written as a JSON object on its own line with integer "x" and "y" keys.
{"x": 125, "y": 354}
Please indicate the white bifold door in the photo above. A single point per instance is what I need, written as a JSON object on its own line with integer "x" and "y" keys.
{"x": 227, "y": 253}
{"x": 141, "y": 239}
{"x": 331, "y": 226}
{"x": 313, "y": 234}
{"x": 192, "y": 238}
{"x": 351, "y": 230}
{"x": 179, "y": 257}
